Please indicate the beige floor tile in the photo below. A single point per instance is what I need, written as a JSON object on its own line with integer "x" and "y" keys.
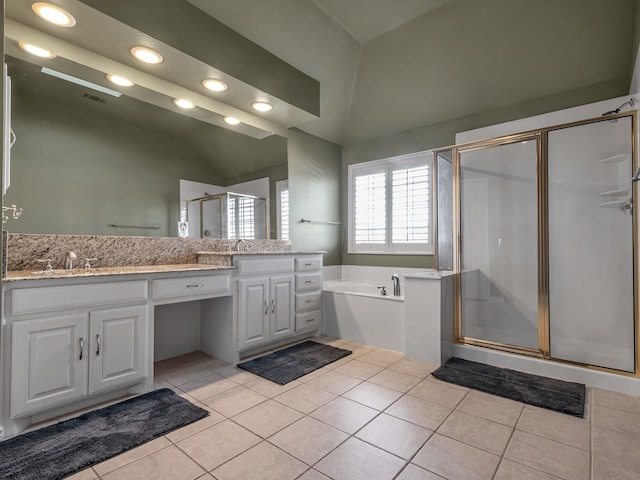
{"x": 357, "y": 460}
{"x": 194, "y": 372}
{"x": 413, "y": 472}
{"x": 208, "y": 386}
{"x": 236, "y": 374}
{"x": 345, "y": 414}
{"x": 394, "y": 435}
{"x": 262, "y": 462}
{"x": 207, "y": 476}
{"x": 492, "y": 408}
{"x": 556, "y": 426}
{"x": 312, "y": 474}
{"x": 607, "y": 469}
{"x": 616, "y": 400}
{"x": 402, "y": 382}
{"x": 218, "y": 444}
{"x": 616, "y": 420}
{"x": 334, "y": 382}
{"x": 131, "y": 456}
{"x": 235, "y": 400}
{"x": 86, "y": 474}
{"x": 308, "y": 439}
{"x": 181, "y": 361}
{"x": 167, "y": 464}
{"x": 413, "y": 367}
{"x": 269, "y": 388}
{"x": 358, "y": 369}
{"x": 316, "y": 373}
{"x": 509, "y": 470}
{"x": 372, "y": 395}
{"x": 549, "y": 456}
{"x": 477, "y": 432}
{"x": 440, "y": 393}
{"x": 357, "y": 349}
{"x": 421, "y": 412}
{"x": 212, "y": 419}
{"x": 267, "y": 418}
{"x": 455, "y": 460}
{"x": 381, "y": 357}
{"x": 305, "y": 398}
{"x": 618, "y": 446}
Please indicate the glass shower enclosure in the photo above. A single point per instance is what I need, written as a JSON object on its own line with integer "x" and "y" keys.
{"x": 227, "y": 215}
{"x": 544, "y": 243}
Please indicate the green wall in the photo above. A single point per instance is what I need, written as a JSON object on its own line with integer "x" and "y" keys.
{"x": 74, "y": 172}
{"x": 314, "y": 194}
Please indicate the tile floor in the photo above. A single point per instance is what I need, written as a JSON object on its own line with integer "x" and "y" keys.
{"x": 374, "y": 415}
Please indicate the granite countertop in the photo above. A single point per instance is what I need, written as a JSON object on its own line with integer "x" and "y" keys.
{"x": 110, "y": 271}
{"x": 258, "y": 252}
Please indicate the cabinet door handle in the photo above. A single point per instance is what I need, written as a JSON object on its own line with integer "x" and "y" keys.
{"x": 99, "y": 342}
{"x": 266, "y": 307}
{"x": 273, "y": 306}
{"x": 81, "y": 348}
{"x": 195, "y": 285}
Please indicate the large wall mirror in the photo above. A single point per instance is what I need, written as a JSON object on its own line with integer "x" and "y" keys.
{"x": 84, "y": 160}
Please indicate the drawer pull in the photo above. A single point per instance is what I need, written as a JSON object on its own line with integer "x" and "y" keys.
{"x": 309, "y": 301}
{"x": 81, "y": 348}
{"x": 310, "y": 320}
{"x": 195, "y": 285}
{"x": 308, "y": 264}
{"x": 308, "y": 281}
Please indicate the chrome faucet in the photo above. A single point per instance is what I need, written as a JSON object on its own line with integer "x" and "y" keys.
{"x": 69, "y": 259}
{"x": 239, "y": 242}
{"x": 396, "y": 285}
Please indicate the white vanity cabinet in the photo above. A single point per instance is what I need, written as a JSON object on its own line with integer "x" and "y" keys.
{"x": 265, "y": 302}
{"x": 79, "y": 345}
{"x": 279, "y": 296}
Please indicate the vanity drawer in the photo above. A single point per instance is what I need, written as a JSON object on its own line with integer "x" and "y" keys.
{"x": 189, "y": 286}
{"x": 308, "y": 321}
{"x": 42, "y": 299}
{"x": 264, "y": 266}
{"x": 308, "y": 264}
{"x": 308, "y": 281}
{"x": 306, "y": 302}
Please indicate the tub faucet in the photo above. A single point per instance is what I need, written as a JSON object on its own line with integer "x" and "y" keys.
{"x": 396, "y": 285}
{"x": 69, "y": 258}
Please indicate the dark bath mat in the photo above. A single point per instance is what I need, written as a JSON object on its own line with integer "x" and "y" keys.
{"x": 293, "y": 362}
{"x": 558, "y": 395}
{"x": 67, "y": 447}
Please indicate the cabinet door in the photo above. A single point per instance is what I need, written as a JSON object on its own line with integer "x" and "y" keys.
{"x": 48, "y": 362}
{"x": 117, "y": 347}
{"x": 281, "y": 320}
{"x": 253, "y": 312}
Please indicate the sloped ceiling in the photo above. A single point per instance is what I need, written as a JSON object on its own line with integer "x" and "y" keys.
{"x": 461, "y": 58}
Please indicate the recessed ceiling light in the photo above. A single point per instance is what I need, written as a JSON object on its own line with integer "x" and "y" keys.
{"x": 118, "y": 80}
{"x": 231, "y": 120}
{"x": 262, "y": 106}
{"x": 37, "y": 51}
{"x": 214, "y": 85}
{"x": 146, "y": 55}
{"x": 53, "y": 14}
{"x": 182, "y": 103}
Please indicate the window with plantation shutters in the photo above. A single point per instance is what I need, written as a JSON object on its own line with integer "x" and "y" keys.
{"x": 282, "y": 209}
{"x": 390, "y": 205}
{"x": 242, "y": 219}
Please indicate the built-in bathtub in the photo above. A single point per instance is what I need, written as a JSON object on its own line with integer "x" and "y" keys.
{"x": 357, "y": 311}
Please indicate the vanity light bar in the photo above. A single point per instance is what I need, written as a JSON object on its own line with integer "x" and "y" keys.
{"x": 79, "y": 81}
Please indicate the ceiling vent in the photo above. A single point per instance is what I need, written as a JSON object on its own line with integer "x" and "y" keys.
{"x": 91, "y": 96}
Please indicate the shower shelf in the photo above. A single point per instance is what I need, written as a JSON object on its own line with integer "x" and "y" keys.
{"x": 614, "y": 204}
{"x": 615, "y": 193}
